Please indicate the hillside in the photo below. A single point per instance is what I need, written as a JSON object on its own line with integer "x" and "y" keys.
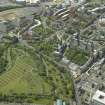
{"x": 29, "y": 78}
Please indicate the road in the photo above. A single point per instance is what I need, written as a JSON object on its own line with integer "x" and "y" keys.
{"x": 37, "y": 23}
{"x": 19, "y": 36}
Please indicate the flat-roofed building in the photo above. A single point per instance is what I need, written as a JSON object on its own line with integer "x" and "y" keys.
{"x": 28, "y": 1}
{"x": 98, "y": 98}
{"x": 59, "y": 102}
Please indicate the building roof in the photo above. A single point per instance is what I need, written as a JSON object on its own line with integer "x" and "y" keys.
{"x": 99, "y": 96}
{"x": 20, "y": 0}
{"x": 64, "y": 103}
{"x": 59, "y": 102}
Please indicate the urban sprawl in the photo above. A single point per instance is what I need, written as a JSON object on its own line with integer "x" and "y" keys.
{"x": 52, "y": 52}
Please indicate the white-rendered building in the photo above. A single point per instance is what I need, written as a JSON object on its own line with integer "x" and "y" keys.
{"x": 20, "y": 1}
{"x": 28, "y": 1}
{"x": 98, "y": 98}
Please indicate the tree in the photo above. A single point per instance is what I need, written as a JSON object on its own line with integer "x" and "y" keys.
{"x": 3, "y": 64}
